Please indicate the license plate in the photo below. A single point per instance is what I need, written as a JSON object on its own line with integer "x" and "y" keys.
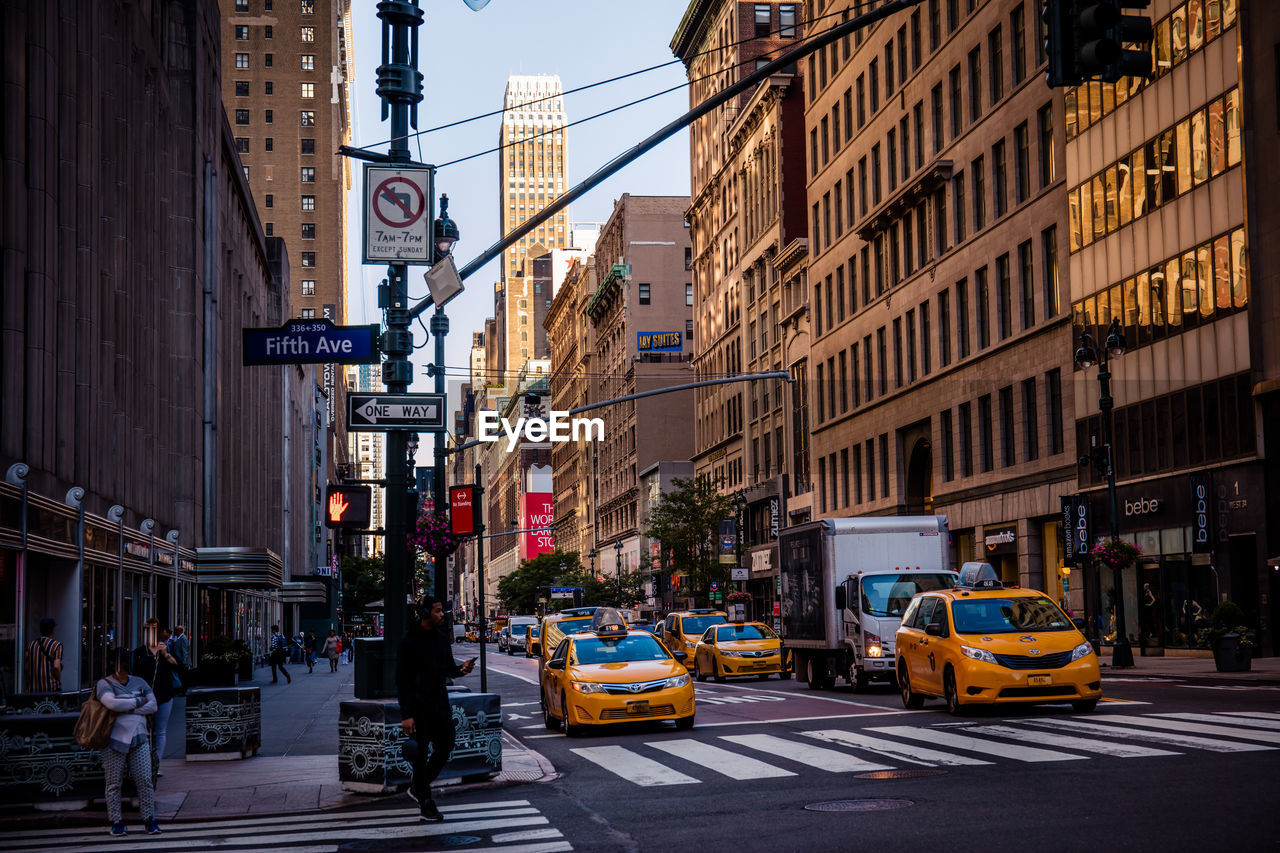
{"x": 641, "y": 707}
{"x": 1039, "y": 680}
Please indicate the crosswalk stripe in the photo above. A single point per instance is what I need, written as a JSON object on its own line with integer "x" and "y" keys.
{"x": 1265, "y": 715}
{"x": 973, "y": 744}
{"x": 527, "y": 835}
{"x": 722, "y": 761}
{"x": 1102, "y": 747}
{"x": 1195, "y": 728}
{"x": 903, "y": 751}
{"x": 1225, "y": 720}
{"x": 220, "y": 839}
{"x": 802, "y": 753}
{"x": 1149, "y": 735}
{"x": 633, "y": 767}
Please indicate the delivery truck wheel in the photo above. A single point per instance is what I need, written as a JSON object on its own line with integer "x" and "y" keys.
{"x": 816, "y": 673}
{"x": 860, "y": 680}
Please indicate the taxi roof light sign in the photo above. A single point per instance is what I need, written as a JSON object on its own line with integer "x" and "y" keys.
{"x": 977, "y": 575}
{"x": 607, "y": 620}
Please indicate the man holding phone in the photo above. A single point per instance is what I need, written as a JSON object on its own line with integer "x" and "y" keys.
{"x": 425, "y": 661}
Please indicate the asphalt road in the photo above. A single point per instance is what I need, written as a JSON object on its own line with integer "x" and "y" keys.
{"x": 1041, "y": 778}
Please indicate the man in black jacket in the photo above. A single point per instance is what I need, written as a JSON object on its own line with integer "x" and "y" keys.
{"x": 425, "y": 660}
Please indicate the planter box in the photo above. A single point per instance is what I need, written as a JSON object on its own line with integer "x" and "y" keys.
{"x": 1230, "y": 656}
{"x": 375, "y": 755}
{"x": 223, "y": 723}
{"x": 48, "y": 703}
{"x": 40, "y": 761}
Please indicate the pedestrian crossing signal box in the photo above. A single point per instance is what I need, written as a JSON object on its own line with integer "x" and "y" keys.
{"x": 347, "y": 507}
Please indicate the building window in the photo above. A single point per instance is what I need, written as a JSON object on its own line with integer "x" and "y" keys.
{"x": 242, "y": 145}
{"x": 1049, "y": 258}
{"x": 308, "y": 231}
{"x": 308, "y": 146}
{"x": 242, "y": 116}
{"x": 308, "y": 90}
{"x": 308, "y": 34}
{"x": 975, "y": 85}
{"x": 308, "y": 175}
{"x": 242, "y": 60}
{"x": 957, "y": 192}
{"x": 986, "y": 438}
{"x": 966, "y": 440}
{"x": 1004, "y": 298}
{"x": 242, "y": 5}
{"x": 308, "y": 118}
{"x": 644, "y": 294}
{"x": 1018, "y": 32}
{"x": 999, "y": 179}
{"x": 871, "y": 469}
{"x": 242, "y": 88}
{"x": 270, "y": 200}
{"x": 688, "y": 295}
{"x": 308, "y": 202}
{"x": 308, "y": 7}
{"x": 1053, "y": 409}
{"x": 882, "y": 360}
{"x": 268, "y": 88}
{"x": 308, "y": 259}
{"x": 1025, "y": 285}
{"x": 1008, "y": 449}
{"x": 267, "y": 32}
{"x": 944, "y": 328}
{"x": 787, "y": 20}
{"x": 246, "y": 177}
{"x": 911, "y": 346}
{"x": 953, "y": 80}
{"x": 1021, "y": 163}
{"x": 307, "y": 313}
{"x": 1044, "y": 120}
{"x": 962, "y": 318}
{"x": 308, "y": 62}
{"x": 982, "y": 307}
{"x": 884, "y": 465}
{"x": 269, "y": 143}
{"x": 268, "y": 59}
{"x": 898, "y": 375}
{"x": 688, "y": 332}
{"x": 308, "y": 287}
{"x": 995, "y": 64}
{"x": 242, "y": 32}
{"x": 764, "y": 19}
{"x": 268, "y": 116}
{"x": 1030, "y": 422}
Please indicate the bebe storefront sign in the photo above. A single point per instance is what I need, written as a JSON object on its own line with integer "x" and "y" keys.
{"x": 559, "y": 427}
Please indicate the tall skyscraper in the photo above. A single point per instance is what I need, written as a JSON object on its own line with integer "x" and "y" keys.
{"x": 532, "y": 173}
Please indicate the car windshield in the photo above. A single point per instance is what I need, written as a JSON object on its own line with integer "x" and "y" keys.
{"x": 535, "y": 631}
{"x": 618, "y": 650}
{"x": 729, "y": 633}
{"x": 1008, "y": 615}
{"x": 695, "y": 625}
{"x": 889, "y": 595}
{"x": 519, "y": 629}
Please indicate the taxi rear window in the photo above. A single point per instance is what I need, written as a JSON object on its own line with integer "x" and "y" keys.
{"x": 641, "y": 647}
{"x": 692, "y": 625}
{"x": 1007, "y": 615}
{"x": 729, "y": 633}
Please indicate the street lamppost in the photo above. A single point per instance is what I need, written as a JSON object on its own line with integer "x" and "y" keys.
{"x": 1086, "y": 357}
{"x": 617, "y": 561}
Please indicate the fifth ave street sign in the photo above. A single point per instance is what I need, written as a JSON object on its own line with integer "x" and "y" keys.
{"x": 314, "y": 341}
{"x": 379, "y": 412}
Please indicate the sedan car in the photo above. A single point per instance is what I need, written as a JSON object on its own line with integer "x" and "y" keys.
{"x": 738, "y": 648}
{"x": 609, "y": 674}
{"x": 984, "y": 644}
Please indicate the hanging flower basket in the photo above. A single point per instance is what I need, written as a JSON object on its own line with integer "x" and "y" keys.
{"x": 738, "y": 597}
{"x": 1116, "y": 553}
{"x": 434, "y": 535}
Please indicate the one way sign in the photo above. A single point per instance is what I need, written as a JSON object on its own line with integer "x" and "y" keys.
{"x": 380, "y": 412}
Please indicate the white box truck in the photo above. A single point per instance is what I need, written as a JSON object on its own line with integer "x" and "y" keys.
{"x": 845, "y": 585}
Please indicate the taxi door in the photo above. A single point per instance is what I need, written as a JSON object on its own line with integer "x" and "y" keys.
{"x": 552, "y": 679}
{"x": 704, "y": 654}
{"x": 933, "y": 662}
{"x": 916, "y": 654}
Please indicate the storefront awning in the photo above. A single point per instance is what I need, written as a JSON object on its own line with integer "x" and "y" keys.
{"x": 245, "y": 568}
{"x": 304, "y": 592}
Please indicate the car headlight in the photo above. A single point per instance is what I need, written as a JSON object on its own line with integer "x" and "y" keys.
{"x": 679, "y": 680}
{"x": 587, "y": 686}
{"x": 874, "y": 651}
{"x": 977, "y": 654}
{"x": 729, "y": 653}
{"x": 1082, "y": 650}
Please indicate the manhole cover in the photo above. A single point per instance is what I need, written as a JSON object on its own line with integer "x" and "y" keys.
{"x": 869, "y": 805}
{"x": 910, "y": 773}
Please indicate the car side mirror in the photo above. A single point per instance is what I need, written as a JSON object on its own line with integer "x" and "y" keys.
{"x": 555, "y": 664}
{"x": 678, "y": 655}
{"x": 933, "y": 629}
{"x": 842, "y": 599}
{"x": 1079, "y": 623}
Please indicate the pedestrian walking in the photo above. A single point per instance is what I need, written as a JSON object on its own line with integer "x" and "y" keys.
{"x": 44, "y": 661}
{"x": 425, "y": 661}
{"x": 310, "y": 647}
{"x": 154, "y": 665}
{"x": 279, "y": 652}
{"x": 349, "y": 646}
{"x": 330, "y": 650}
{"x": 132, "y": 700}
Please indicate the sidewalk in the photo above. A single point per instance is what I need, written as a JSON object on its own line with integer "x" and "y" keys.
{"x": 296, "y": 769}
{"x": 1265, "y": 670}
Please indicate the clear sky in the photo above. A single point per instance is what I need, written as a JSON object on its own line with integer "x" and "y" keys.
{"x": 466, "y": 58}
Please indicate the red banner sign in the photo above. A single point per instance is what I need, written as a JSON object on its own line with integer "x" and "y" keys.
{"x": 536, "y": 512}
{"x": 461, "y": 514}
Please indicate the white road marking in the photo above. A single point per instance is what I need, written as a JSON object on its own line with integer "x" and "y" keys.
{"x": 790, "y": 694}
{"x": 1196, "y": 728}
{"x": 527, "y": 835}
{"x": 802, "y": 753}
{"x": 1227, "y": 720}
{"x": 1149, "y": 735}
{"x": 633, "y": 767}
{"x": 973, "y": 744}
{"x": 722, "y": 761}
{"x": 1266, "y": 715}
{"x": 1117, "y": 750}
{"x": 856, "y": 716}
{"x": 903, "y": 751}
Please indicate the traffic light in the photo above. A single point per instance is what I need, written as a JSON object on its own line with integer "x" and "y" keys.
{"x": 347, "y": 507}
{"x": 1085, "y": 40}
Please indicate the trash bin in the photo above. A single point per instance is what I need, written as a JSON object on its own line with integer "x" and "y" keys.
{"x": 369, "y": 670}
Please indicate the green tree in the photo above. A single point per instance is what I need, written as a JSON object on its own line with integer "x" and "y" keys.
{"x": 363, "y": 581}
{"x": 686, "y": 521}
{"x": 519, "y": 591}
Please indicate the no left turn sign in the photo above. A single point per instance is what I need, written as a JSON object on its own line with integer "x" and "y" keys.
{"x": 398, "y": 202}
{"x": 397, "y": 214}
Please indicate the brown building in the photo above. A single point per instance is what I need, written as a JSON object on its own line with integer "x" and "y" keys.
{"x": 937, "y": 226}
{"x": 155, "y": 471}
{"x": 720, "y": 41}
{"x": 640, "y": 315}
{"x": 1171, "y": 189}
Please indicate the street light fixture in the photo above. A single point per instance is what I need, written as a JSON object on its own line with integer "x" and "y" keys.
{"x": 617, "y": 561}
{"x": 446, "y": 230}
{"x": 1086, "y": 357}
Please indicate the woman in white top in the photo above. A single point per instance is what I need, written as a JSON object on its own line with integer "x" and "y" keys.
{"x": 132, "y": 700}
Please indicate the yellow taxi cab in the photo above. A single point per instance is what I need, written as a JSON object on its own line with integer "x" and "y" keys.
{"x": 556, "y": 626}
{"x": 738, "y": 648}
{"x": 682, "y": 629}
{"x": 609, "y": 674}
{"x": 982, "y": 643}
{"x": 533, "y": 642}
